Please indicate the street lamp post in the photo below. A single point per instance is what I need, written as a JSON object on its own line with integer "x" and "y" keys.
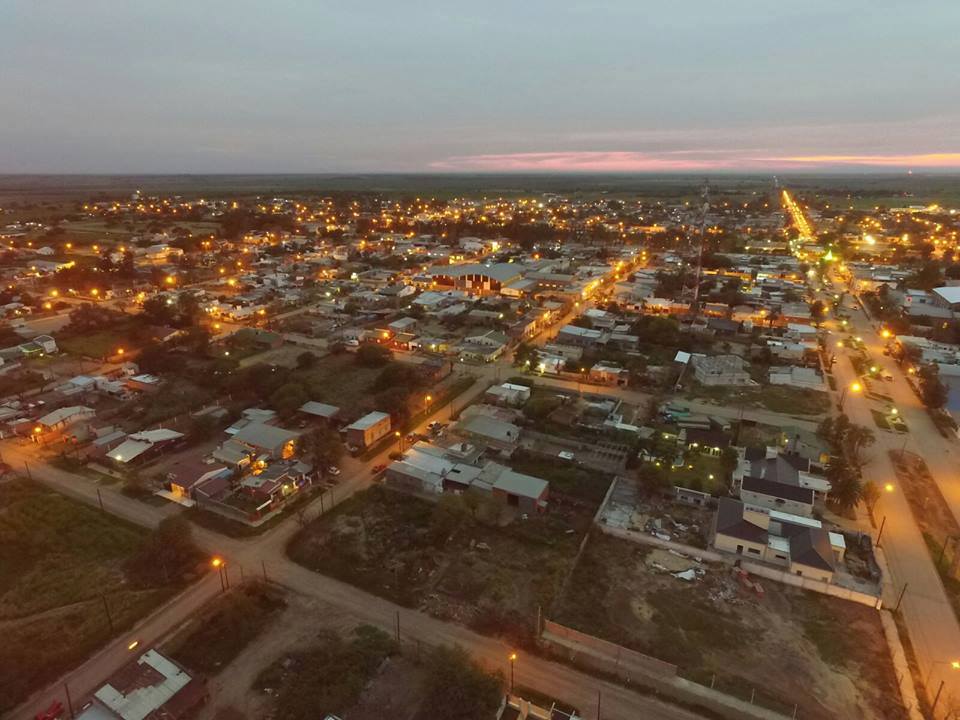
{"x": 399, "y": 436}
{"x": 219, "y": 565}
{"x": 513, "y": 660}
{"x": 853, "y": 387}
{"x": 954, "y": 665}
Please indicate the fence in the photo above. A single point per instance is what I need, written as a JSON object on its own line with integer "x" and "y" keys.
{"x": 662, "y": 677}
{"x": 825, "y": 588}
{"x": 624, "y": 661}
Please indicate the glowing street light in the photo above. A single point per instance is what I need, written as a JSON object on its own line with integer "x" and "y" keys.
{"x": 854, "y": 387}
{"x": 513, "y": 661}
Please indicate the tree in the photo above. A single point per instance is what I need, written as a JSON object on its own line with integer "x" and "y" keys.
{"x": 306, "y": 360}
{"x": 188, "y": 309}
{"x": 288, "y": 398}
{"x": 654, "y": 478}
{"x": 157, "y": 311}
{"x": 459, "y": 688}
{"x": 90, "y": 318}
{"x": 817, "y": 310}
{"x": 933, "y": 392}
{"x": 846, "y": 489}
{"x": 373, "y": 355}
{"x": 397, "y": 375}
{"x": 323, "y": 447}
{"x": 856, "y": 440}
{"x": 167, "y": 553}
{"x": 870, "y": 494}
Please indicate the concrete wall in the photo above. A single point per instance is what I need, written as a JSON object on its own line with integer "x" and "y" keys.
{"x": 729, "y": 544}
{"x": 768, "y": 501}
{"x": 625, "y": 659}
{"x": 751, "y": 567}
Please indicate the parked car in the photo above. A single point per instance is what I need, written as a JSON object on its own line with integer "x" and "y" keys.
{"x": 377, "y": 469}
{"x": 54, "y": 712}
{"x": 333, "y": 470}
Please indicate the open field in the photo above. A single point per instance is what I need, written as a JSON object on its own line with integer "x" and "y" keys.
{"x": 826, "y": 655}
{"x": 227, "y": 626}
{"x": 438, "y": 558}
{"x": 775, "y": 398}
{"x": 62, "y": 570}
{"x": 101, "y": 343}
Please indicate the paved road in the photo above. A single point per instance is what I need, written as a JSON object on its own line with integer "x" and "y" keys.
{"x": 931, "y": 622}
{"x": 266, "y": 553}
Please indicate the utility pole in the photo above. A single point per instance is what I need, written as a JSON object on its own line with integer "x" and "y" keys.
{"x": 106, "y": 609}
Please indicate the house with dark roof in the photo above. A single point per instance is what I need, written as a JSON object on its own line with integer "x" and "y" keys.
{"x": 777, "y": 479}
{"x": 799, "y": 544}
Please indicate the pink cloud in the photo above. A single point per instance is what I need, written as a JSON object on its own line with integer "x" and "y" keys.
{"x": 679, "y": 161}
{"x": 577, "y": 161}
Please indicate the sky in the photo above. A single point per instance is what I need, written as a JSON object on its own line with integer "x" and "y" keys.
{"x": 212, "y": 86}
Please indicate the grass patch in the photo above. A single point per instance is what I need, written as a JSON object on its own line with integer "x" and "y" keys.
{"x": 101, "y": 343}
{"x": 565, "y": 477}
{"x": 226, "y": 627}
{"x": 879, "y": 419}
{"x": 795, "y": 401}
{"x": 700, "y": 472}
{"x": 62, "y": 567}
{"x": 329, "y": 678}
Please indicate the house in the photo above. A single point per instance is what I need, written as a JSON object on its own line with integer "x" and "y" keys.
{"x": 184, "y": 477}
{"x": 604, "y": 373}
{"x": 273, "y": 484}
{"x": 368, "y": 430}
{"x": 722, "y": 370}
{"x": 475, "y": 277}
{"x": 268, "y": 439}
{"x": 507, "y": 394}
{"x": 579, "y": 336}
{"x": 787, "y": 472}
{"x": 149, "y": 687}
{"x": 59, "y": 420}
{"x": 486, "y": 347}
{"x": 144, "y": 383}
{"x": 320, "y": 411}
{"x": 433, "y": 470}
{"x": 803, "y": 378}
{"x": 141, "y": 446}
{"x": 947, "y": 297}
{"x": 800, "y": 544}
{"x": 403, "y": 325}
{"x": 526, "y": 493}
{"x": 503, "y": 437}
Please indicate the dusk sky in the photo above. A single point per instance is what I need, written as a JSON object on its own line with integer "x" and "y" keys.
{"x": 531, "y": 85}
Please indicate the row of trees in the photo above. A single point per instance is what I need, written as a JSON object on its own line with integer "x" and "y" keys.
{"x": 848, "y": 443}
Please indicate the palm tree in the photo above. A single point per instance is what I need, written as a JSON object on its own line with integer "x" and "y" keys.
{"x": 856, "y": 440}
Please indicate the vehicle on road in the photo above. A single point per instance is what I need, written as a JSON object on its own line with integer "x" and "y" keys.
{"x": 377, "y": 469}
{"x": 54, "y": 712}
{"x": 566, "y": 455}
{"x": 333, "y": 470}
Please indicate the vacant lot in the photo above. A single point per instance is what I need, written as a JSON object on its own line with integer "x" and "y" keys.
{"x": 438, "y": 557}
{"x": 102, "y": 343}
{"x": 775, "y": 398}
{"x": 826, "y": 655}
{"x": 62, "y": 570}
{"x": 226, "y": 627}
{"x": 565, "y": 477}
